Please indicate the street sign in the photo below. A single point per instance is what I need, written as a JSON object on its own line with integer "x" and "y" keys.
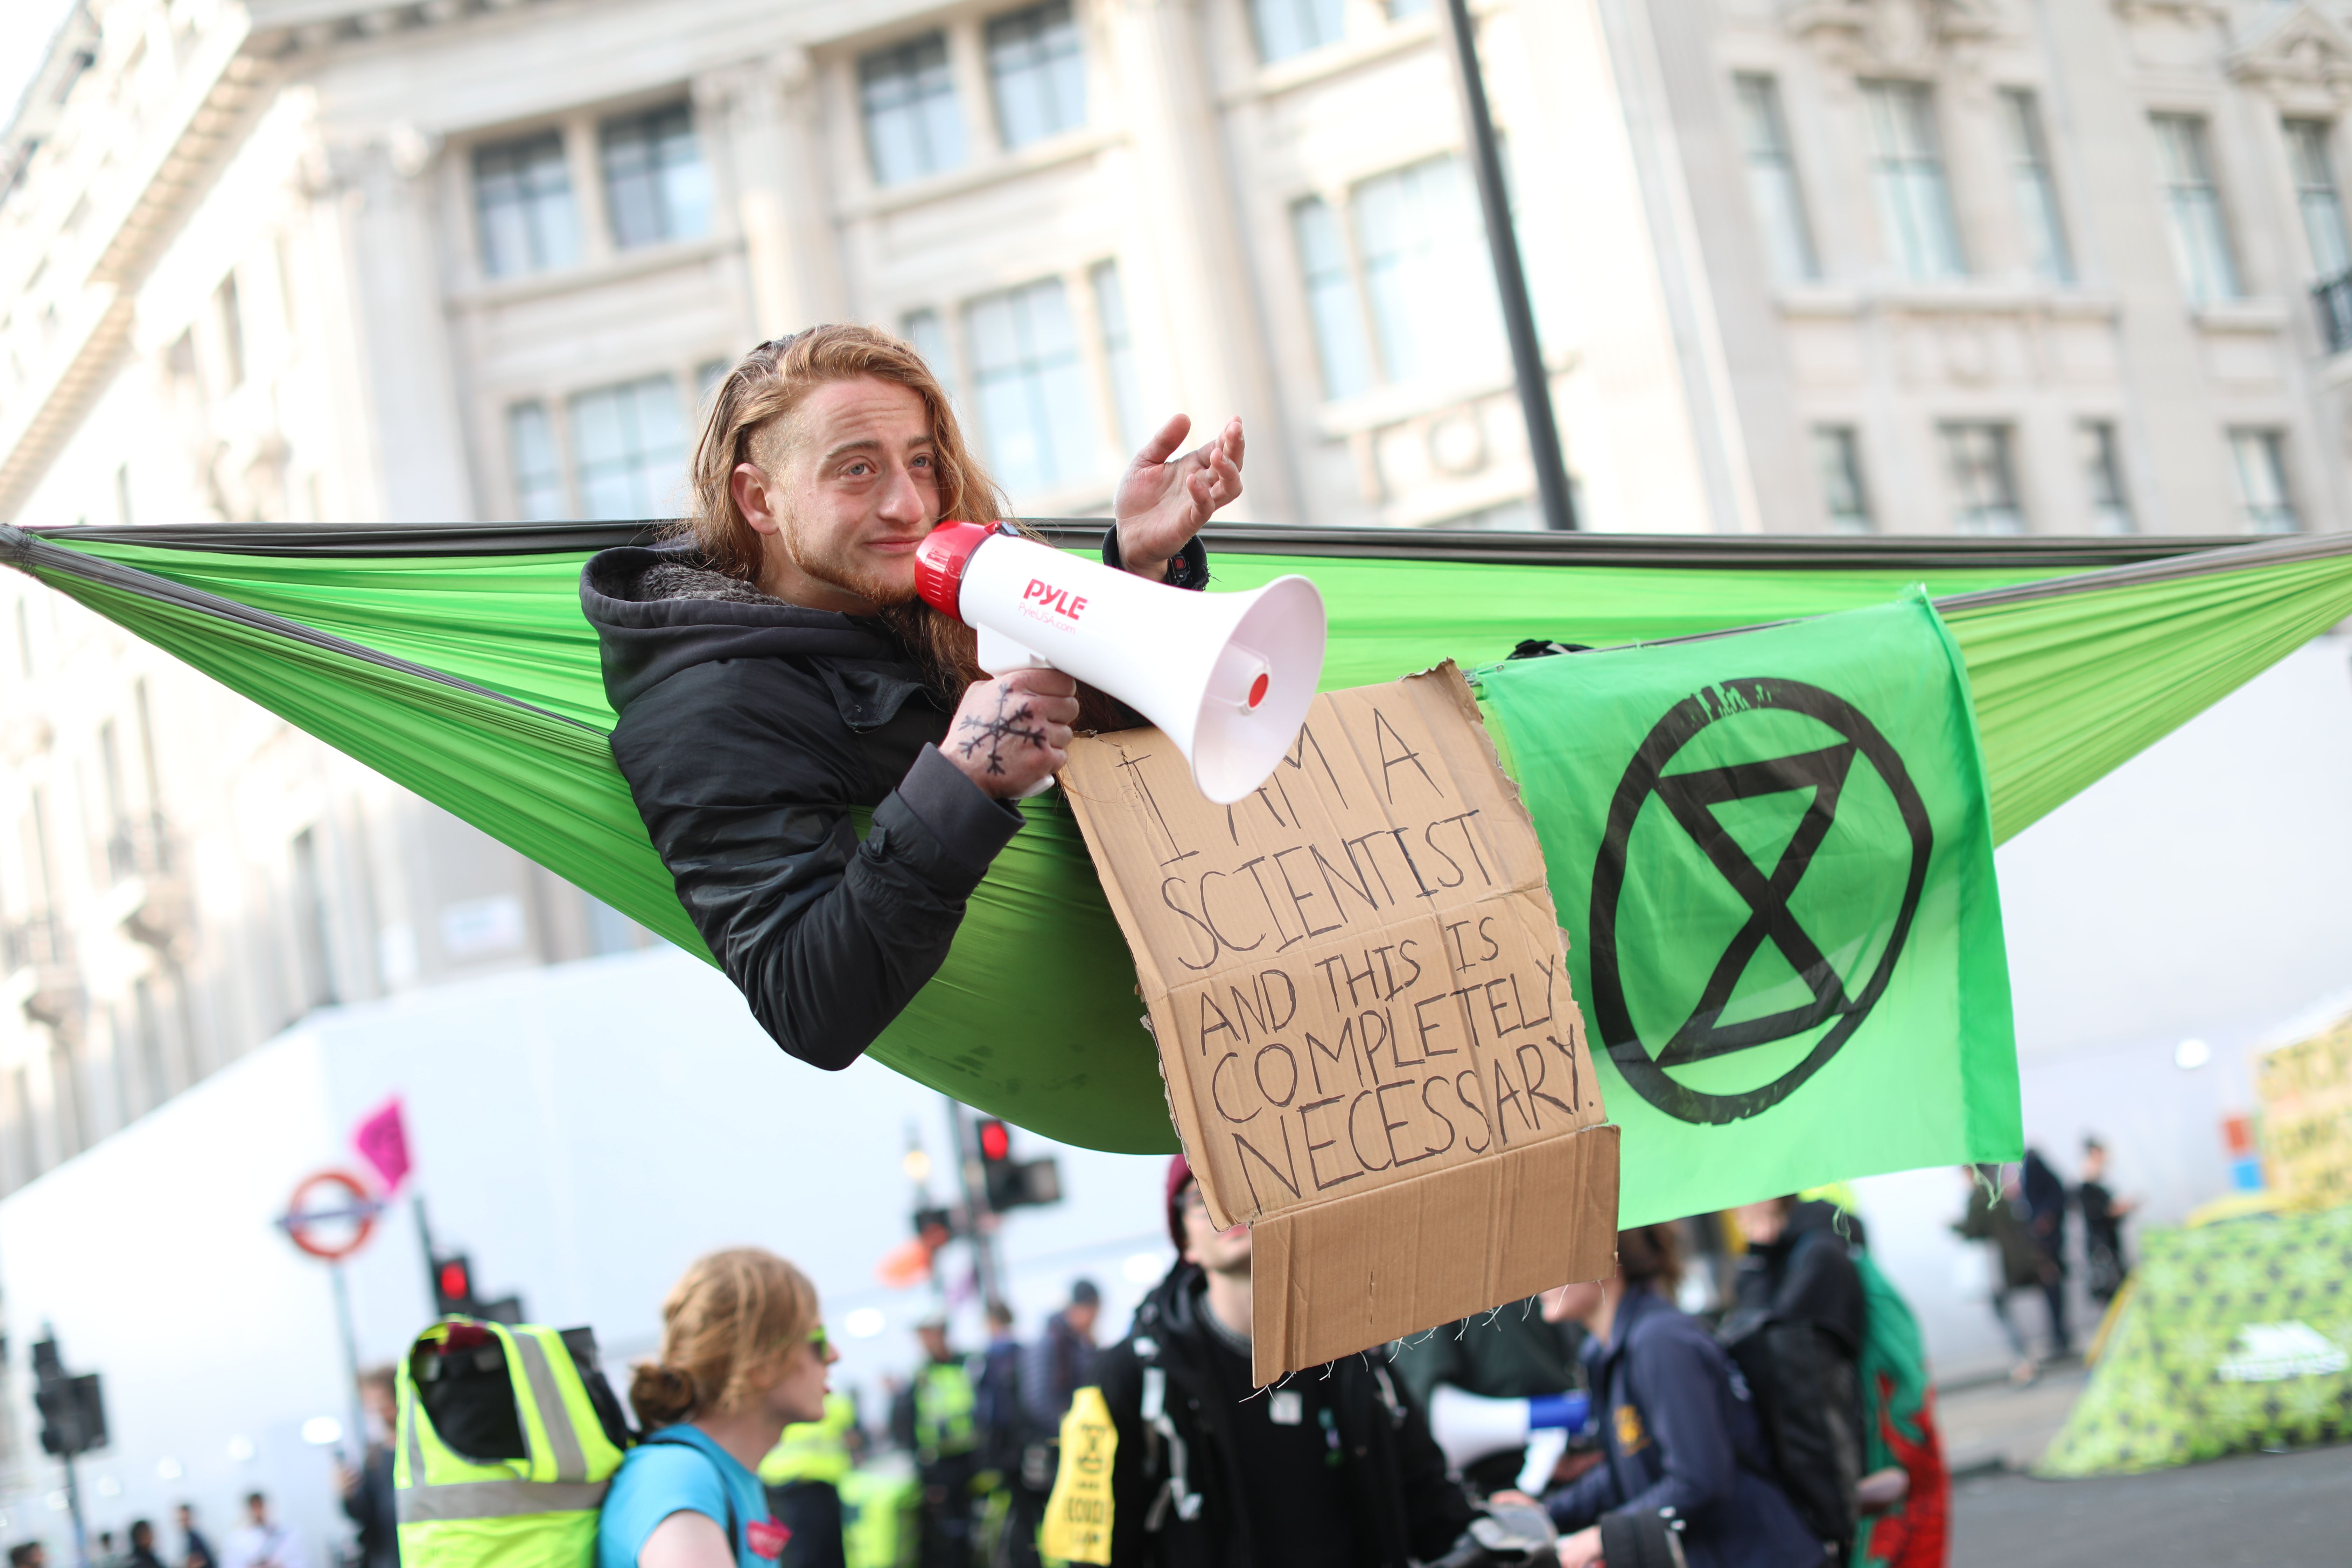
{"x": 330, "y": 1216}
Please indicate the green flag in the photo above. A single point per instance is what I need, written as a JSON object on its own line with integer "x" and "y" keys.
{"x": 1773, "y": 857}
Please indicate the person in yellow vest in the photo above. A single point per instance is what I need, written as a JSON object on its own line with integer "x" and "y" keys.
{"x": 803, "y": 1473}
{"x": 743, "y": 1355}
{"x": 936, "y": 1420}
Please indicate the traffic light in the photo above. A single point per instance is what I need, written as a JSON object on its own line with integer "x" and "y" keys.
{"x": 453, "y": 1286}
{"x": 73, "y": 1410}
{"x": 453, "y": 1297}
{"x": 1010, "y": 1183}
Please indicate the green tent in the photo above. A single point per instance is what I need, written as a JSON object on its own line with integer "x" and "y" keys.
{"x": 2235, "y": 1336}
{"x": 454, "y": 660}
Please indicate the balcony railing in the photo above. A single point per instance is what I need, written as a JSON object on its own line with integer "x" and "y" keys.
{"x": 138, "y": 847}
{"x": 40, "y": 945}
{"x": 2332, "y": 296}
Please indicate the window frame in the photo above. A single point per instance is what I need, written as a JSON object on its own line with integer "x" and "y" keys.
{"x": 654, "y": 172}
{"x": 1043, "y": 68}
{"x": 2100, "y": 449}
{"x": 2200, "y": 192}
{"x": 2034, "y": 185}
{"x": 1796, "y": 258}
{"x": 1038, "y": 372}
{"x": 1912, "y": 185}
{"x": 2002, "y": 515}
{"x": 863, "y": 80}
{"x": 479, "y": 210}
{"x": 2261, "y": 516}
{"x": 2311, "y": 138}
{"x": 1300, "y": 10}
{"x": 1845, "y": 439}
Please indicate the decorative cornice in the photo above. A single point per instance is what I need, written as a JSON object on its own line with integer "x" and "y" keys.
{"x": 2304, "y": 53}
{"x": 1890, "y": 34}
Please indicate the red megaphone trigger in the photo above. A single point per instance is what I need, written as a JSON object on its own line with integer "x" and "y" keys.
{"x": 940, "y": 560}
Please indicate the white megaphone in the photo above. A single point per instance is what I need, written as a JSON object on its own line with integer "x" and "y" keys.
{"x": 1469, "y": 1426}
{"x": 1227, "y": 677}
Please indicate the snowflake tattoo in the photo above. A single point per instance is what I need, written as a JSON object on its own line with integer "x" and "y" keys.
{"x": 995, "y": 732}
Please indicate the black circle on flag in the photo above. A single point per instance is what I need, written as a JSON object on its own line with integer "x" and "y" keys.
{"x": 1690, "y": 799}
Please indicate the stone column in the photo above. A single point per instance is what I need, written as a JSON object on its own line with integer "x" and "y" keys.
{"x": 772, "y": 112}
{"x": 1186, "y": 206}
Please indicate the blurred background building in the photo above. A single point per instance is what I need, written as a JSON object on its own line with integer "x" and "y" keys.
{"x": 1798, "y": 265}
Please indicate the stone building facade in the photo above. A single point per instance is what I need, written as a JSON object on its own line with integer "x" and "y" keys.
{"x": 1909, "y": 266}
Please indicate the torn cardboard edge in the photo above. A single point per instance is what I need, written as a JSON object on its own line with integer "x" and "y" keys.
{"x": 1455, "y": 1154}
{"x": 1486, "y": 1234}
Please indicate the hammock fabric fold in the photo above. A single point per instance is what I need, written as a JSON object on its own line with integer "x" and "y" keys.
{"x": 454, "y": 660}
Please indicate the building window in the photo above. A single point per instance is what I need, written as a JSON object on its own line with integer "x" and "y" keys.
{"x": 1983, "y": 479}
{"x": 913, "y": 124}
{"x": 1038, "y": 70}
{"x": 232, "y": 331}
{"x": 522, "y": 198}
{"x": 2259, "y": 459}
{"x": 2201, "y": 232}
{"x": 2036, "y": 187}
{"x": 628, "y": 448}
{"x": 1287, "y": 28}
{"x": 313, "y": 951}
{"x": 1838, "y": 453}
{"x": 1906, "y": 174}
{"x": 1030, "y": 385}
{"x": 1772, "y": 180}
{"x": 656, "y": 185}
{"x": 1332, "y": 299}
{"x": 1118, "y": 351}
{"x": 1400, "y": 9}
{"x": 2103, "y": 475}
{"x": 538, "y": 473}
{"x": 2316, "y": 195}
{"x": 1427, "y": 276}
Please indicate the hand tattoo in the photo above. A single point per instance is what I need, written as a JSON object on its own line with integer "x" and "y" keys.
{"x": 993, "y": 733}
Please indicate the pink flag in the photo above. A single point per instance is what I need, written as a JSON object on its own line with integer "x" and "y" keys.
{"x": 382, "y": 1142}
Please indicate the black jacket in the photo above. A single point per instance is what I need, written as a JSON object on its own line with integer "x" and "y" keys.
{"x": 1408, "y": 1507}
{"x": 751, "y": 733}
{"x": 372, "y": 1507}
{"x": 1799, "y": 1278}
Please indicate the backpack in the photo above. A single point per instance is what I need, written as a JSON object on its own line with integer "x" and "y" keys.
{"x": 1809, "y": 1402}
{"x": 506, "y": 1440}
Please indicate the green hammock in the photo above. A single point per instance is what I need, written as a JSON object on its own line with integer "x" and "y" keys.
{"x": 454, "y": 661}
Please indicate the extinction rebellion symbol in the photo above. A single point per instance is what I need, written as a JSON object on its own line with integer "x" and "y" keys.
{"x": 1865, "y": 892}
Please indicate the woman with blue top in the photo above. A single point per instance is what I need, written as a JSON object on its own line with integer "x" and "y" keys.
{"x": 743, "y": 1356}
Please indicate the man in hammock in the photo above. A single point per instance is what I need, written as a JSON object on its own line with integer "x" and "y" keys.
{"x": 776, "y": 676}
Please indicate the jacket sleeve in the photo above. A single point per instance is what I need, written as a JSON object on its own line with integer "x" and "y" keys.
{"x": 1682, "y": 1395}
{"x": 1436, "y": 1512}
{"x": 827, "y": 938}
{"x": 1585, "y": 1499}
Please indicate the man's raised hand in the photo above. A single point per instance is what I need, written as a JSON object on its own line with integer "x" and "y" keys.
{"x": 1163, "y": 501}
{"x": 1013, "y": 731}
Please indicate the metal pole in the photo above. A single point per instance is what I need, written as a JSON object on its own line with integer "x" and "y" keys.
{"x": 351, "y": 1360}
{"x": 73, "y": 1507}
{"x": 1511, "y": 281}
{"x": 975, "y": 1203}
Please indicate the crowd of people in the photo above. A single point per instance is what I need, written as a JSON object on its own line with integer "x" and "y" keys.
{"x": 2020, "y": 1214}
{"x": 1688, "y": 1435}
{"x": 260, "y": 1542}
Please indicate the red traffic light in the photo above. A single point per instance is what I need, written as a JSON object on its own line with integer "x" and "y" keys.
{"x": 995, "y": 1140}
{"x": 454, "y": 1285}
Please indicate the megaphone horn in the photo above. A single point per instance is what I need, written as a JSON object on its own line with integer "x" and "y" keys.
{"x": 1227, "y": 677}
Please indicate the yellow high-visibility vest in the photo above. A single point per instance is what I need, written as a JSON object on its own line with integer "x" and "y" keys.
{"x": 812, "y": 1450}
{"x": 944, "y": 1402}
{"x": 538, "y": 1512}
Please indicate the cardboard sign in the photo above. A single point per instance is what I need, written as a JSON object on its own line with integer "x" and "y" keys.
{"x": 2306, "y": 1091}
{"x": 1355, "y": 980}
